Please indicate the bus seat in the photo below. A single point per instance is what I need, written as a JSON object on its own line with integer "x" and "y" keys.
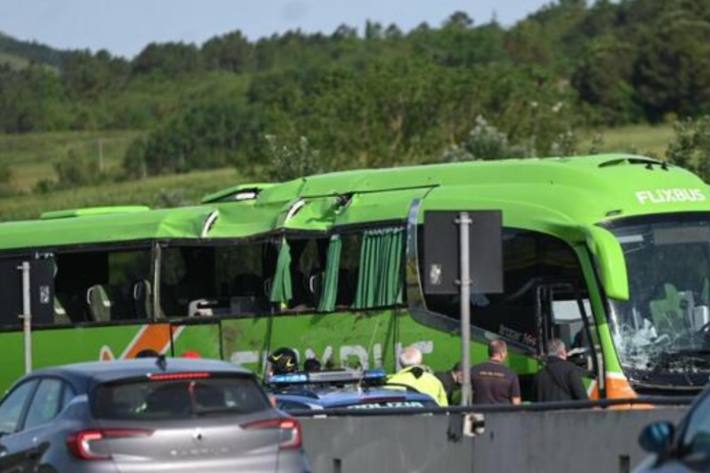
{"x": 142, "y": 300}
{"x": 201, "y": 308}
{"x": 268, "y": 282}
{"x": 99, "y": 303}
{"x": 315, "y": 284}
{"x": 60, "y": 314}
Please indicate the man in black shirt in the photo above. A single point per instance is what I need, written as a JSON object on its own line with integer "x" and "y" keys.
{"x": 559, "y": 380}
{"x": 452, "y": 382}
{"x": 492, "y": 381}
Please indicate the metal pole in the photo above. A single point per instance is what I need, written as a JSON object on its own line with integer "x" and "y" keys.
{"x": 465, "y": 280}
{"x": 26, "y": 314}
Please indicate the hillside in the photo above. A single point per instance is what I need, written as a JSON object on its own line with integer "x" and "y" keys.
{"x": 298, "y": 103}
{"x": 19, "y": 54}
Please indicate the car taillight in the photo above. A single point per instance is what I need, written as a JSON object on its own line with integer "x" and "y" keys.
{"x": 79, "y": 443}
{"x": 291, "y": 435}
{"x": 177, "y": 376}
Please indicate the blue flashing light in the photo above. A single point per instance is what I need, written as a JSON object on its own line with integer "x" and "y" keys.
{"x": 327, "y": 377}
{"x": 289, "y": 378}
{"x": 378, "y": 373}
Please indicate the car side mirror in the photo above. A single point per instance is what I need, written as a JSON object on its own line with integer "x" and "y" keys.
{"x": 657, "y": 437}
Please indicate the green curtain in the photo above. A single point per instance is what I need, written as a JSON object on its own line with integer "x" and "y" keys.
{"x": 379, "y": 281}
{"x": 329, "y": 293}
{"x": 281, "y": 290}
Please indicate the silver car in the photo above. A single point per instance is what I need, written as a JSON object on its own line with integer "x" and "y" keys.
{"x": 140, "y": 416}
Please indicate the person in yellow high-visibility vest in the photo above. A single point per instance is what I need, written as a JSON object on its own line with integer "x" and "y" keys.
{"x": 418, "y": 377}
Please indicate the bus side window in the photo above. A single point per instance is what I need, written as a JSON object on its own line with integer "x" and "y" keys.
{"x": 242, "y": 275}
{"x": 187, "y": 275}
{"x": 307, "y": 271}
{"x": 76, "y": 273}
{"x": 529, "y": 259}
{"x": 216, "y": 280}
{"x": 101, "y": 286}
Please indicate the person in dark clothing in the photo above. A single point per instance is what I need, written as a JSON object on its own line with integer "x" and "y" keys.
{"x": 492, "y": 381}
{"x": 311, "y": 365}
{"x": 559, "y": 380}
{"x": 452, "y": 382}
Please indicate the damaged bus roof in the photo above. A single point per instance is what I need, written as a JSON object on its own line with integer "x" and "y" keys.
{"x": 554, "y": 195}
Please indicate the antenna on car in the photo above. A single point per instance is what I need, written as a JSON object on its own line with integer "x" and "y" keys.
{"x": 161, "y": 362}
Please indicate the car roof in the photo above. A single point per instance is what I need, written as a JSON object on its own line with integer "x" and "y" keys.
{"x": 347, "y": 396}
{"x": 83, "y": 375}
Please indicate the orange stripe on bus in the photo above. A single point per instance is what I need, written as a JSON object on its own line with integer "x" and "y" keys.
{"x": 154, "y": 337}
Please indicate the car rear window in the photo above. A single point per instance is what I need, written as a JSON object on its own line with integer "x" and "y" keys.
{"x": 162, "y": 399}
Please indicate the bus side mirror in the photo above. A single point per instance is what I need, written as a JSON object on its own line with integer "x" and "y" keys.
{"x": 610, "y": 260}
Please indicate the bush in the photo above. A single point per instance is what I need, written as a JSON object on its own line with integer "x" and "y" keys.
{"x": 690, "y": 147}
{"x": 291, "y": 160}
{"x": 484, "y": 142}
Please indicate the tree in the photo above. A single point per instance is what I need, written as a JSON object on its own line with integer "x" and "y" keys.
{"x": 373, "y": 30}
{"x": 458, "y": 19}
{"x": 672, "y": 72}
{"x": 88, "y": 75}
{"x": 169, "y": 59}
{"x": 603, "y": 79}
{"x": 232, "y": 52}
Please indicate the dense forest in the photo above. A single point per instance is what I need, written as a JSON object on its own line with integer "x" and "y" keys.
{"x": 296, "y": 103}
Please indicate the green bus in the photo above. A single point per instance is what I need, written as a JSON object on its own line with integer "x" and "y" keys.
{"x": 611, "y": 253}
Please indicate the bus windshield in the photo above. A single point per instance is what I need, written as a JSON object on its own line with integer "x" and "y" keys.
{"x": 664, "y": 327}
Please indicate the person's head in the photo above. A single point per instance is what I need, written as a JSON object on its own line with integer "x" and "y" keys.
{"x": 497, "y": 350}
{"x": 457, "y": 373}
{"x": 147, "y": 353}
{"x": 311, "y": 365}
{"x": 410, "y": 356}
{"x": 556, "y": 347}
{"x": 283, "y": 360}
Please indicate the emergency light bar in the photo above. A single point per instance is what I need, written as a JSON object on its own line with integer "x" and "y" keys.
{"x": 328, "y": 377}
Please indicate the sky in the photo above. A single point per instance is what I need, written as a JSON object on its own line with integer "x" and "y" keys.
{"x": 124, "y": 27}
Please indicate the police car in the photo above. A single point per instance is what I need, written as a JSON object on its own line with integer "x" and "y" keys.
{"x": 341, "y": 389}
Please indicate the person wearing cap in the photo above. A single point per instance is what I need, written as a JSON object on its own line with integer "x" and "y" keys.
{"x": 416, "y": 376}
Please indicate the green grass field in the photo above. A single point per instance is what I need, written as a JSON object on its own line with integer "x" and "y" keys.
{"x": 640, "y": 139}
{"x": 162, "y": 191}
{"x": 31, "y": 156}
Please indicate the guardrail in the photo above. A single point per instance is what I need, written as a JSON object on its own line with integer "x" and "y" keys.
{"x": 646, "y": 401}
{"x": 580, "y": 436}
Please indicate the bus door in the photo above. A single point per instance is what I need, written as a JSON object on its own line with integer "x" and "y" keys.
{"x": 564, "y": 312}
{"x": 11, "y": 295}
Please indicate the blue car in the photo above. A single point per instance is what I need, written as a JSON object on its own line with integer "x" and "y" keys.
{"x": 341, "y": 389}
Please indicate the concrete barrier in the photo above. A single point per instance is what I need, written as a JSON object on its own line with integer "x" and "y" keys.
{"x": 585, "y": 440}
